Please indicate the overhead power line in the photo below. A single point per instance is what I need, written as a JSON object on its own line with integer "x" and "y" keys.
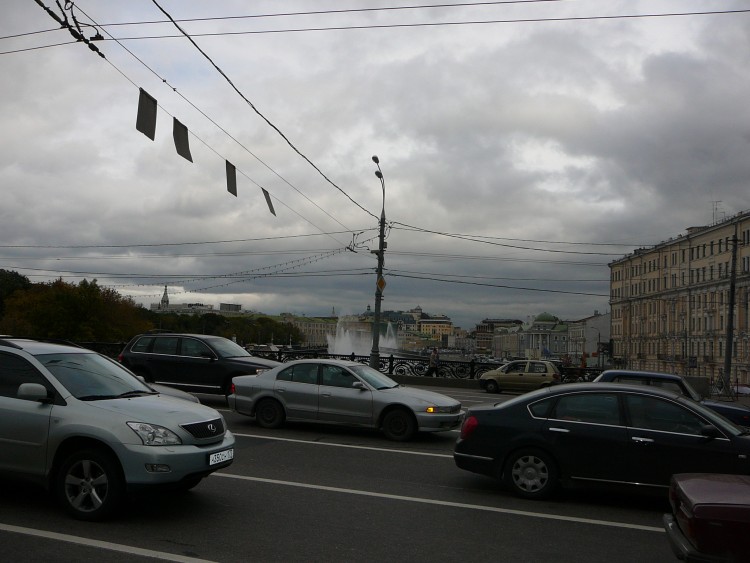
{"x": 255, "y": 109}
{"x": 75, "y": 30}
{"x": 441, "y": 24}
{"x": 340, "y": 11}
{"x": 151, "y": 245}
{"x": 505, "y": 245}
{"x": 483, "y": 284}
{"x": 223, "y": 130}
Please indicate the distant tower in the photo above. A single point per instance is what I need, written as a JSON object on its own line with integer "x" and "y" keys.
{"x": 165, "y": 299}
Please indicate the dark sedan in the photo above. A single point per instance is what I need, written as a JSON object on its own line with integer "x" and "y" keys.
{"x": 710, "y": 517}
{"x": 598, "y": 433}
{"x": 736, "y": 412}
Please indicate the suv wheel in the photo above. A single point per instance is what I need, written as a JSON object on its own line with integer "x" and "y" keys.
{"x": 89, "y": 484}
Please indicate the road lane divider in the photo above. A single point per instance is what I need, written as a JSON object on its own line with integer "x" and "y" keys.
{"x": 129, "y": 549}
{"x": 478, "y": 507}
{"x": 372, "y": 448}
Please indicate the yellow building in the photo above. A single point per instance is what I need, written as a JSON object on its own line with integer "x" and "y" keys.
{"x": 671, "y": 303}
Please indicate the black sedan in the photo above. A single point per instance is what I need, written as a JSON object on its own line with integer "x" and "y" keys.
{"x": 598, "y": 433}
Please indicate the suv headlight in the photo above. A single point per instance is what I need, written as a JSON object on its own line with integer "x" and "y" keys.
{"x": 153, "y": 435}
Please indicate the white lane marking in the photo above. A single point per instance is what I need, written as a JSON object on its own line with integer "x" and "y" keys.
{"x": 312, "y": 443}
{"x": 101, "y": 544}
{"x": 448, "y": 503}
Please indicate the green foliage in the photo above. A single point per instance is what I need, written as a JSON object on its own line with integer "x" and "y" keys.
{"x": 89, "y": 313}
{"x": 256, "y": 329}
{"x": 11, "y": 282}
{"x": 81, "y": 313}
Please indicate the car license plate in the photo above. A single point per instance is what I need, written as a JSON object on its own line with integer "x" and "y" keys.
{"x": 220, "y": 457}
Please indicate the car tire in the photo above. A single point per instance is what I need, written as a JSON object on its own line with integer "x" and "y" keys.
{"x": 269, "y": 413}
{"x": 90, "y": 484}
{"x": 491, "y": 386}
{"x": 399, "y": 425}
{"x": 531, "y": 473}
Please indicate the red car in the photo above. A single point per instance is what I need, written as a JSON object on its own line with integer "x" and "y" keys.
{"x": 710, "y": 517}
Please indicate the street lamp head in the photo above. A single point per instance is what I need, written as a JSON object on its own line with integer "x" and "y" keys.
{"x": 379, "y": 174}
{"x": 376, "y": 160}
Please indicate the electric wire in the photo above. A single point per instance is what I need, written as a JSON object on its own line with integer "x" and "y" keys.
{"x": 255, "y": 109}
{"x": 37, "y": 48}
{"x": 338, "y": 11}
{"x": 151, "y": 245}
{"x": 221, "y": 128}
{"x": 65, "y": 23}
{"x": 440, "y": 24}
{"x": 505, "y": 245}
{"x": 502, "y": 286}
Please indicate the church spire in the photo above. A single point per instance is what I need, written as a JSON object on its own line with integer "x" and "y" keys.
{"x": 165, "y": 299}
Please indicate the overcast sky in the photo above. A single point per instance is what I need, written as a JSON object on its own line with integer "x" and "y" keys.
{"x": 519, "y": 157}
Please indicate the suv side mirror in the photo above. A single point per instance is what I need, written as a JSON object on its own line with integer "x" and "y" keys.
{"x": 33, "y": 392}
{"x": 359, "y": 385}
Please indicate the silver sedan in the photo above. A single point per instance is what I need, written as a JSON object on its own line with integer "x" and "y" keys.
{"x": 342, "y": 392}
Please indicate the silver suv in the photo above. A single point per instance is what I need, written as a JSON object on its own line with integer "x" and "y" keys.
{"x": 90, "y": 431}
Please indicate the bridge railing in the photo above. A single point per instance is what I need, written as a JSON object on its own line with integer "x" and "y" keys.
{"x": 390, "y": 365}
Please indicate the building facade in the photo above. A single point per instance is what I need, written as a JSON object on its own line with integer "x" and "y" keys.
{"x": 672, "y": 304}
{"x": 588, "y": 341}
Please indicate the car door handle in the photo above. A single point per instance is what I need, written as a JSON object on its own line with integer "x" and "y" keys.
{"x": 555, "y": 429}
{"x": 641, "y": 440}
{"x": 325, "y": 394}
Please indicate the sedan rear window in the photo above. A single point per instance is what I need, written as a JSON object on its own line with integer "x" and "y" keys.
{"x": 597, "y": 408}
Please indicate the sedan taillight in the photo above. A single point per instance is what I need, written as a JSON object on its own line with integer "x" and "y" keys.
{"x": 469, "y": 425}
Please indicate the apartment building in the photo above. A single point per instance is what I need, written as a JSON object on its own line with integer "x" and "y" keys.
{"x": 670, "y": 304}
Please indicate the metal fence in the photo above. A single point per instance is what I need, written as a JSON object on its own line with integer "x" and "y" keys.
{"x": 391, "y": 365}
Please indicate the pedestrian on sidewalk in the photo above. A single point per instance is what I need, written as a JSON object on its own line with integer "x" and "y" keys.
{"x": 434, "y": 364}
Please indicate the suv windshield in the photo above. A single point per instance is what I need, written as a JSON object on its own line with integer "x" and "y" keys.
{"x": 89, "y": 376}
{"x": 227, "y": 348}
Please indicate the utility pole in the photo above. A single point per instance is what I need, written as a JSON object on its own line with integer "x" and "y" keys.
{"x": 380, "y": 283}
{"x": 726, "y": 376}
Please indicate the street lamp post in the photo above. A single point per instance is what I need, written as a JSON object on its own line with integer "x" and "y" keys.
{"x": 598, "y": 347}
{"x": 380, "y": 284}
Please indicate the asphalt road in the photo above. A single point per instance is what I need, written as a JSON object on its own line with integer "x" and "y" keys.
{"x": 319, "y": 493}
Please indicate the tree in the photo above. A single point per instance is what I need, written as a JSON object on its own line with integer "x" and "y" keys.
{"x": 11, "y": 282}
{"x": 82, "y": 313}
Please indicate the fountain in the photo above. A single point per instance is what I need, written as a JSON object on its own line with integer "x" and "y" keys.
{"x": 359, "y": 342}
